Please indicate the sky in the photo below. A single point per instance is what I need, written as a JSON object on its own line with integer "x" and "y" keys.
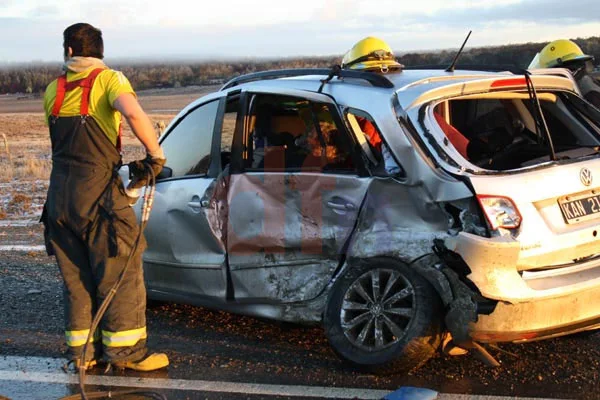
{"x": 31, "y": 30}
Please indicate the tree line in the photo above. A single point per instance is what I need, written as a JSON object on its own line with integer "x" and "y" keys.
{"x": 33, "y": 78}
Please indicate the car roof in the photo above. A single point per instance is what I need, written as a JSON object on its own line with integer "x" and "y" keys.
{"x": 418, "y": 80}
{"x": 413, "y": 86}
{"x": 391, "y": 80}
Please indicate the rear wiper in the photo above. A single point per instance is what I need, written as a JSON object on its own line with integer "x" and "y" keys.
{"x": 538, "y": 114}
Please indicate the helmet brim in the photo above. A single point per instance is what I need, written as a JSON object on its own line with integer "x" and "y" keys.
{"x": 377, "y": 65}
{"x": 574, "y": 60}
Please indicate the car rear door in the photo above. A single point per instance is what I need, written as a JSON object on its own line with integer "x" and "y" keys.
{"x": 294, "y": 194}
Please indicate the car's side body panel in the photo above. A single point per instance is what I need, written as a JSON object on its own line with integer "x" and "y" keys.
{"x": 186, "y": 253}
{"x": 397, "y": 220}
{"x": 287, "y": 231}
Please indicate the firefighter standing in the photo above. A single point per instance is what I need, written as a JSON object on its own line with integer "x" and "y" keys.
{"x": 564, "y": 53}
{"x": 89, "y": 224}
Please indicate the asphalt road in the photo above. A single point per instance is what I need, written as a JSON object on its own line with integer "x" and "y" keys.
{"x": 218, "y": 346}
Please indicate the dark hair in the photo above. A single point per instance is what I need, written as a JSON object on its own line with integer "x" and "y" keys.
{"x": 84, "y": 40}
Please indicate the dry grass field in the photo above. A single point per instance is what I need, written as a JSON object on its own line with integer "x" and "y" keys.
{"x": 25, "y": 159}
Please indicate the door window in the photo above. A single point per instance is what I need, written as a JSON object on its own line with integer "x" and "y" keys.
{"x": 292, "y": 134}
{"x": 187, "y": 146}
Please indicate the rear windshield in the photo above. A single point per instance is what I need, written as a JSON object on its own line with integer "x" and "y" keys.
{"x": 501, "y": 133}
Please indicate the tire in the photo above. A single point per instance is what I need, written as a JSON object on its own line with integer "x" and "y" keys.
{"x": 406, "y": 317}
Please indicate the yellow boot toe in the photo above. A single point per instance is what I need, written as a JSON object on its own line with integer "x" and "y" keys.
{"x": 151, "y": 362}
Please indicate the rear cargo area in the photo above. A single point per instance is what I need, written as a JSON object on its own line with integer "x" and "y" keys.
{"x": 505, "y": 131}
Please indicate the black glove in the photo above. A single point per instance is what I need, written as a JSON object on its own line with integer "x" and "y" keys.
{"x": 139, "y": 171}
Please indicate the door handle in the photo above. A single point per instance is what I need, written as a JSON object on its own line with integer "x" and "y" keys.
{"x": 196, "y": 204}
{"x": 341, "y": 206}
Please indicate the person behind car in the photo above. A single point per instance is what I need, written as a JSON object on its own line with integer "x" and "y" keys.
{"x": 564, "y": 53}
{"x": 371, "y": 132}
{"x": 376, "y": 143}
{"x": 373, "y": 54}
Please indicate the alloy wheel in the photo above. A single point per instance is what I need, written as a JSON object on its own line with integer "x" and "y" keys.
{"x": 377, "y": 309}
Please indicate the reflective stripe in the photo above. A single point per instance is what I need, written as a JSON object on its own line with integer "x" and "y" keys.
{"x": 123, "y": 338}
{"x": 77, "y": 338}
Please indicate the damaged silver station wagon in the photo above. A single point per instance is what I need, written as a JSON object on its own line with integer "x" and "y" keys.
{"x": 475, "y": 211}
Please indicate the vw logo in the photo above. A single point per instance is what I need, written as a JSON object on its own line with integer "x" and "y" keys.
{"x": 586, "y": 176}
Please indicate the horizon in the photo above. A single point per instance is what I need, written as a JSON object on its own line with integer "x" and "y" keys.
{"x": 256, "y": 59}
{"x": 145, "y": 30}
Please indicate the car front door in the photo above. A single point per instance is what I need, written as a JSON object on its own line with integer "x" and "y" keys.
{"x": 186, "y": 252}
{"x": 294, "y": 194}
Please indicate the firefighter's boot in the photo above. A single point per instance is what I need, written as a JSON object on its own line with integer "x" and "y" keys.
{"x": 150, "y": 362}
{"x": 85, "y": 365}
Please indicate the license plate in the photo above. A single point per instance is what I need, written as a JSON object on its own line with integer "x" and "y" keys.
{"x": 580, "y": 207}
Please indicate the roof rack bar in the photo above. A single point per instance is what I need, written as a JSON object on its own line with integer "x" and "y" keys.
{"x": 373, "y": 78}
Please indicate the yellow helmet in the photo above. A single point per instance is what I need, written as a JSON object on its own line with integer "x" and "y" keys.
{"x": 370, "y": 53}
{"x": 559, "y": 53}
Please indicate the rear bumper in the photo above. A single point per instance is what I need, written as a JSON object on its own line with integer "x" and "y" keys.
{"x": 542, "y": 319}
{"x": 530, "y": 306}
{"x": 493, "y": 264}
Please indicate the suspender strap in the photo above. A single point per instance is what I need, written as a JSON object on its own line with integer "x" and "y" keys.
{"x": 62, "y": 86}
{"x": 87, "y": 84}
{"x": 60, "y": 94}
{"x": 119, "y": 141}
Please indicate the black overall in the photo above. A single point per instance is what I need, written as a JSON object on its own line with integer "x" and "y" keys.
{"x": 91, "y": 230}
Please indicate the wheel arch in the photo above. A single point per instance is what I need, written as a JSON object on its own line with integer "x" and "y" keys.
{"x": 429, "y": 266}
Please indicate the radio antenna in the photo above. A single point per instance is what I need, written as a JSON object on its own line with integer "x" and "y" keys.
{"x": 451, "y": 66}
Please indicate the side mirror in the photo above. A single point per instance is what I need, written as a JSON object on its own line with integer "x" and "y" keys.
{"x": 165, "y": 173}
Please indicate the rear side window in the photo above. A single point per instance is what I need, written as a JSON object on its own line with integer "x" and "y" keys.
{"x": 373, "y": 146}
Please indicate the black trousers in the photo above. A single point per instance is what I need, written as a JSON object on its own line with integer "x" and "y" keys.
{"x": 91, "y": 253}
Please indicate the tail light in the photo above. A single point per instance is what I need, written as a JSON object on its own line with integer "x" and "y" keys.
{"x": 500, "y": 211}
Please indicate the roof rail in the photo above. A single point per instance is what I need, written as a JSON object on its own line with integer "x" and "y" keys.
{"x": 562, "y": 72}
{"x": 473, "y": 67}
{"x": 373, "y": 78}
